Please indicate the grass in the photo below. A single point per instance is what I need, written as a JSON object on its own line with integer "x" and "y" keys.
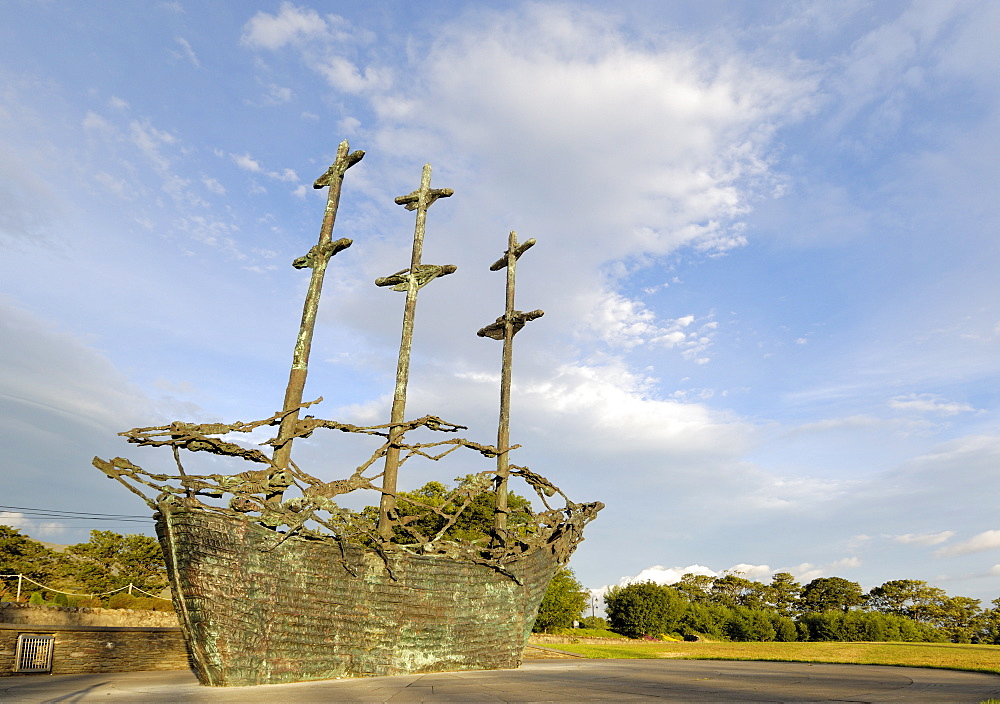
{"x": 586, "y": 633}
{"x": 974, "y": 658}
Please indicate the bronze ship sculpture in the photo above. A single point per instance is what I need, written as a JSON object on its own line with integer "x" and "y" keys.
{"x": 273, "y": 581}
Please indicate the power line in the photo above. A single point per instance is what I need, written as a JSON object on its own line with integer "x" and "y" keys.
{"x": 77, "y": 515}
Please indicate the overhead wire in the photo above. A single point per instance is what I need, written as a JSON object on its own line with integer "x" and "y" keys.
{"x": 76, "y": 515}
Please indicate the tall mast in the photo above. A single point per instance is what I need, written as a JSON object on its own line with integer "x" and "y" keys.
{"x": 505, "y": 327}
{"x": 317, "y": 259}
{"x": 410, "y": 280}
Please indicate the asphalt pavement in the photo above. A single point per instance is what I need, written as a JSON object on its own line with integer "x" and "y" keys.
{"x": 544, "y": 681}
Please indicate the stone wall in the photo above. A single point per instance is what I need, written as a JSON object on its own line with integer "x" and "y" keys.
{"x": 94, "y": 640}
{"x": 110, "y": 650}
{"x": 549, "y": 639}
{"x": 35, "y": 615}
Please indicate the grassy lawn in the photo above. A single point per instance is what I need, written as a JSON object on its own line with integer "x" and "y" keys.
{"x": 977, "y": 658}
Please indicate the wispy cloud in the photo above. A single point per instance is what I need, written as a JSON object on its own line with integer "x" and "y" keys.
{"x": 185, "y": 52}
{"x": 924, "y": 538}
{"x": 248, "y": 163}
{"x": 322, "y": 41}
{"x": 987, "y": 540}
{"x": 929, "y": 403}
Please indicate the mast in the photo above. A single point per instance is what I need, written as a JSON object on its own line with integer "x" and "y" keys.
{"x": 411, "y": 281}
{"x": 317, "y": 259}
{"x": 505, "y": 327}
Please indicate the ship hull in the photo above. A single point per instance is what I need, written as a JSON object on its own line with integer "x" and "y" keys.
{"x": 253, "y": 613}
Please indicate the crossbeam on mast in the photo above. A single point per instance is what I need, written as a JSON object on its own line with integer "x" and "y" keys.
{"x": 505, "y": 327}
{"x": 317, "y": 259}
{"x": 411, "y": 281}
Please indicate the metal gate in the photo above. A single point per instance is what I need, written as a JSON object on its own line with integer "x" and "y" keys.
{"x": 34, "y": 653}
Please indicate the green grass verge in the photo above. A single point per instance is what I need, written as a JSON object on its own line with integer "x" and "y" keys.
{"x": 975, "y": 658}
{"x": 586, "y": 633}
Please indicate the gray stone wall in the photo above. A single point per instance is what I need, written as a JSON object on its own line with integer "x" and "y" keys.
{"x": 94, "y": 640}
{"x": 113, "y": 650}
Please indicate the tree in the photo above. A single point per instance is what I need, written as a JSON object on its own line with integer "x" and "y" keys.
{"x": 19, "y": 554}
{"x": 783, "y": 594}
{"x": 831, "y": 594}
{"x": 564, "y": 601}
{"x": 988, "y": 625}
{"x": 696, "y": 588}
{"x": 596, "y": 622}
{"x": 704, "y": 620}
{"x": 746, "y": 624}
{"x": 957, "y": 617}
{"x": 732, "y": 590}
{"x": 903, "y": 597}
{"x": 417, "y": 509}
{"x": 644, "y": 608}
{"x": 111, "y": 560}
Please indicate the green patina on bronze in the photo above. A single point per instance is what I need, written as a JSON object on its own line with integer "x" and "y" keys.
{"x": 275, "y": 582}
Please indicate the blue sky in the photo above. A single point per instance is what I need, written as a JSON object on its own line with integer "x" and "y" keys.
{"x": 767, "y": 252}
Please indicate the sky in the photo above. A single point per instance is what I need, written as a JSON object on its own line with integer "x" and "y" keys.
{"x": 767, "y": 255}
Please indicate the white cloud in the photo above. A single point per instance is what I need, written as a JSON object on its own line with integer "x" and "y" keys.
{"x": 759, "y": 573}
{"x": 929, "y": 403}
{"x": 185, "y": 52}
{"x": 344, "y": 75}
{"x": 987, "y": 540}
{"x": 291, "y": 25}
{"x": 348, "y": 125}
{"x": 846, "y": 563}
{"x": 626, "y": 323}
{"x": 585, "y": 106}
{"x": 924, "y": 538}
{"x": 93, "y": 121}
{"x": 248, "y": 163}
{"x": 153, "y": 145}
{"x": 806, "y": 572}
{"x": 279, "y": 94}
{"x": 115, "y": 185}
{"x": 31, "y": 527}
{"x": 667, "y": 575}
{"x": 212, "y": 232}
{"x": 795, "y": 494}
{"x": 322, "y": 41}
{"x": 213, "y": 185}
{"x": 611, "y": 405}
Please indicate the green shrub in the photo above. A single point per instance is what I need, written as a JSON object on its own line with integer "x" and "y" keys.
{"x": 784, "y": 628}
{"x": 704, "y": 620}
{"x": 644, "y": 608}
{"x": 749, "y": 625}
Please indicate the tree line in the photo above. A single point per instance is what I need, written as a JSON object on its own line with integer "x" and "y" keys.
{"x": 826, "y": 609}
{"x": 107, "y": 562}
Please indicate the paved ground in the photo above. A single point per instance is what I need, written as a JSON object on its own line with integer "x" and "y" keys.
{"x": 544, "y": 681}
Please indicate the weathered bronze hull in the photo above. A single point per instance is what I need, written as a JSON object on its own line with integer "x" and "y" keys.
{"x": 310, "y": 610}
